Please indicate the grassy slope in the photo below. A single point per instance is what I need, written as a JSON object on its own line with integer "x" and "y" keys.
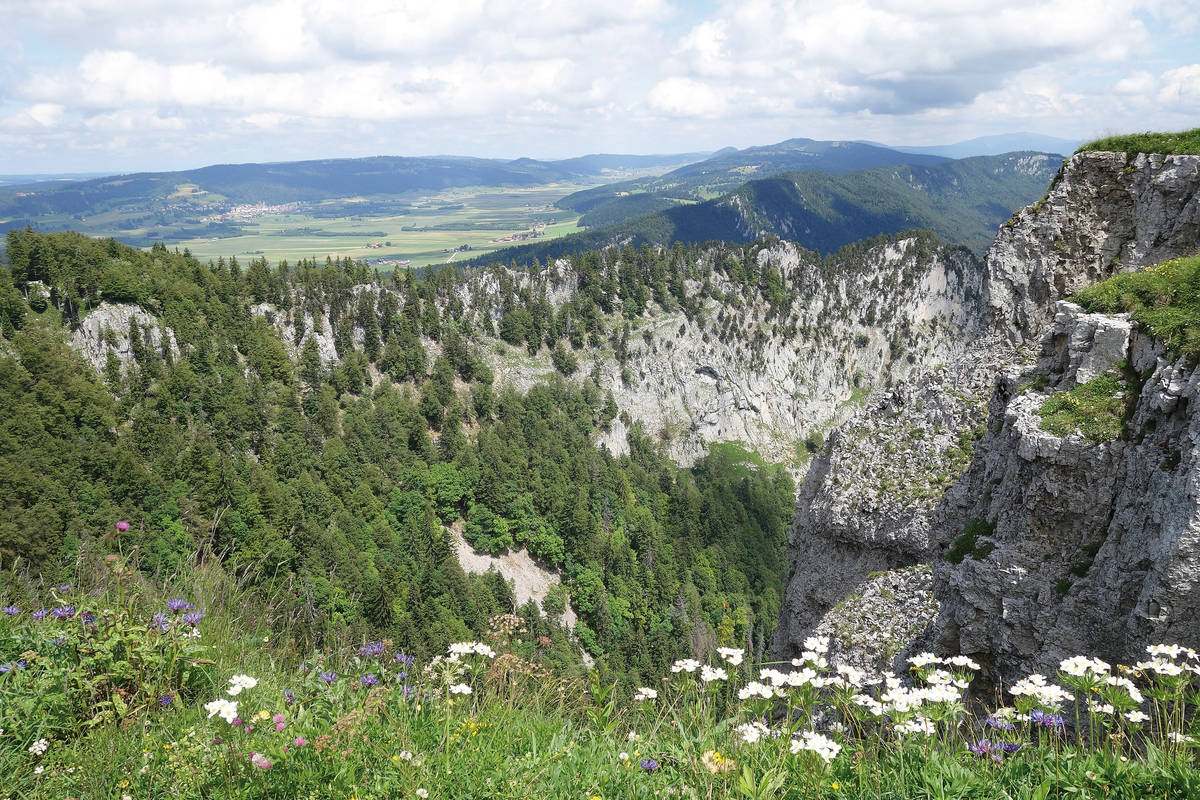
{"x": 1181, "y": 143}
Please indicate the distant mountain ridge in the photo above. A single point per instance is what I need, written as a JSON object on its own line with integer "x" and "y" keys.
{"x": 995, "y": 145}
{"x": 963, "y": 201}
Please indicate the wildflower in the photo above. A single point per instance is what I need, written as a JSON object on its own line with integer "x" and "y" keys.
{"x": 405, "y": 755}
{"x": 922, "y": 660}
{"x": 1136, "y": 717}
{"x": 752, "y": 732}
{"x": 918, "y": 725}
{"x": 371, "y": 649}
{"x": 648, "y": 764}
{"x": 1082, "y": 666}
{"x": 714, "y": 762}
{"x": 238, "y": 683}
{"x": 11, "y": 611}
{"x": 193, "y": 618}
{"x": 225, "y": 709}
{"x": 1134, "y": 693}
{"x": 755, "y": 689}
{"x": 39, "y": 747}
{"x": 39, "y": 615}
{"x": 369, "y": 679}
{"x": 995, "y": 750}
{"x": 289, "y": 697}
{"x": 161, "y": 621}
{"x": 818, "y": 644}
{"x": 122, "y": 526}
{"x": 645, "y": 693}
{"x": 688, "y": 665}
{"x": 733, "y": 656}
{"x": 179, "y": 605}
{"x": 166, "y": 700}
{"x": 460, "y": 688}
{"x": 87, "y": 618}
{"x": 999, "y": 723}
{"x": 422, "y": 793}
{"x": 1045, "y": 719}
{"x": 963, "y": 661}
{"x": 1167, "y": 650}
{"x": 39, "y": 769}
{"x": 710, "y": 674}
{"x": 1100, "y": 708}
{"x": 1178, "y": 738}
{"x": 814, "y": 742}
{"x": 279, "y": 722}
{"x": 328, "y": 676}
{"x": 63, "y": 612}
{"x": 260, "y": 761}
{"x": 623, "y": 756}
{"x": 851, "y": 676}
{"x": 632, "y": 736}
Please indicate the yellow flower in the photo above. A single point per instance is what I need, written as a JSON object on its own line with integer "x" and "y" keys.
{"x": 835, "y": 786}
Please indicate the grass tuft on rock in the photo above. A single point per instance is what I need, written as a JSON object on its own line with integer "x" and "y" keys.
{"x": 1181, "y": 143}
{"x": 1094, "y": 410}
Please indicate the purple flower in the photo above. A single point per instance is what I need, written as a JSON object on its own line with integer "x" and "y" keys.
{"x": 179, "y": 604}
{"x": 289, "y": 696}
{"x": 66, "y": 587}
{"x": 58, "y": 641}
{"x": 166, "y": 700}
{"x": 4, "y": 668}
{"x": 999, "y": 724}
{"x": 39, "y": 615}
{"x": 329, "y": 676}
{"x": 88, "y": 618}
{"x": 1052, "y": 721}
{"x": 371, "y": 649}
{"x": 409, "y": 691}
{"x": 161, "y": 621}
{"x": 649, "y": 764}
{"x": 11, "y": 666}
{"x": 193, "y": 618}
{"x": 122, "y": 526}
{"x": 63, "y": 612}
{"x": 369, "y": 679}
{"x": 11, "y": 611}
{"x": 402, "y": 659}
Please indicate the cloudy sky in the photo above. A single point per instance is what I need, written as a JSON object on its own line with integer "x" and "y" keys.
{"x": 122, "y": 85}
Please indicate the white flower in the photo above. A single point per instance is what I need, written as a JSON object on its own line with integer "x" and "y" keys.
{"x": 1179, "y": 738}
{"x": 458, "y": 649}
{"x": 460, "y": 688}
{"x": 1080, "y": 666}
{"x": 685, "y": 665}
{"x": 39, "y": 769}
{"x": 756, "y": 689}
{"x": 422, "y": 793}
{"x": 1136, "y": 717}
{"x": 733, "y": 656}
{"x": 645, "y": 693}
{"x": 623, "y": 755}
{"x": 870, "y": 703}
{"x": 1100, "y": 708}
{"x": 1126, "y": 684}
{"x": 963, "y": 661}
{"x": 39, "y": 747}
{"x": 823, "y": 746}
{"x": 239, "y": 682}
{"x": 851, "y": 675}
{"x": 811, "y": 657}
{"x": 709, "y": 674}
{"x": 1168, "y": 650}
{"x": 632, "y": 736}
{"x": 818, "y": 644}
{"x": 751, "y": 732}
{"x": 225, "y": 709}
{"x": 924, "y": 659}
{"x": 917, "y": 725}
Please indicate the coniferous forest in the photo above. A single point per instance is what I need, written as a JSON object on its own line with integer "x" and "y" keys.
{"x": 332, "y": 485}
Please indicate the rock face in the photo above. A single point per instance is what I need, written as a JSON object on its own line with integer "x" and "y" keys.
{"x": 1095, "y": 547}
{"x": 1104, "y": 213}
{"x": 1063, "y": 545}
{"x": 106, "y": 330}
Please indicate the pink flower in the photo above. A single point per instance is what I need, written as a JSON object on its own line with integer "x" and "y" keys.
{"x": 301, "y": 741}
{"x": 260, "y": 761}
{"x": 122, "y": 526}
{"x": 279, "y": 723}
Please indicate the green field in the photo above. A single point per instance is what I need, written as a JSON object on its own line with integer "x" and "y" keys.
{"x": 428, "y": 232}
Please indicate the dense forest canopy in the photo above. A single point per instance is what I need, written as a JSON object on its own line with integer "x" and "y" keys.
{"x": 337, "y": 480}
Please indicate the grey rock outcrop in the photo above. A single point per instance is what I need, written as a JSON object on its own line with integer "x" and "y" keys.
{"x": 105, "y": 330}
{"x": 1093, "y": 543}
{"x": 1104, "y": 213}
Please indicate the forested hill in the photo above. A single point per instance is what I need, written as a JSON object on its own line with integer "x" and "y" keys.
{"x": 964, "y": 201}
{"x": 333, "y": 477}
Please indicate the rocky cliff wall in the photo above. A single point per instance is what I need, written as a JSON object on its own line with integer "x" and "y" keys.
{"x": 1053, "y": 501}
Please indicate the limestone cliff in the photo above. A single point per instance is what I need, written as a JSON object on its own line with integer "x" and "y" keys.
{"x": 1039, "y": 545}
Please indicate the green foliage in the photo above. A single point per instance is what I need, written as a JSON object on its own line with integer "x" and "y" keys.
{"x": 1181, "y": 143}
{"x": 1164, "y": 298}
{"x": 967, "y": 543}
{"x": 1094, "y": 410}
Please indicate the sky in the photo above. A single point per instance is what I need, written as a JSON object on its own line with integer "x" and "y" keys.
{"x": 129, "y": 85}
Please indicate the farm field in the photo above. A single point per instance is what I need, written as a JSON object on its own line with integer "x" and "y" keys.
{"x": 432, "y": 229}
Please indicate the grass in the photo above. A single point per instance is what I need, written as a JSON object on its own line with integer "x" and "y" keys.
{"x": 498, "y": 722}
{"x": 1094, "y": 410}
{"x": 1182, "y": 143}
{"x": 1165, "y": 299}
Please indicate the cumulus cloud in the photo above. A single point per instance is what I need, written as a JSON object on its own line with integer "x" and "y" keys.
{"x": 498, "y": 76}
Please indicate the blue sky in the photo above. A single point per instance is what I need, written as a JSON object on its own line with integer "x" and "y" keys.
{"x": 93, "y": 85}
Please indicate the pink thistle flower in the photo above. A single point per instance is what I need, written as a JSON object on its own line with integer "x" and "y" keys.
{"x": 300, "y": 741}
{"x": 122, "y": 526}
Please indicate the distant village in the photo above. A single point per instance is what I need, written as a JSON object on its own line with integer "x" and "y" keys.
{"x": 252, "y": 210}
